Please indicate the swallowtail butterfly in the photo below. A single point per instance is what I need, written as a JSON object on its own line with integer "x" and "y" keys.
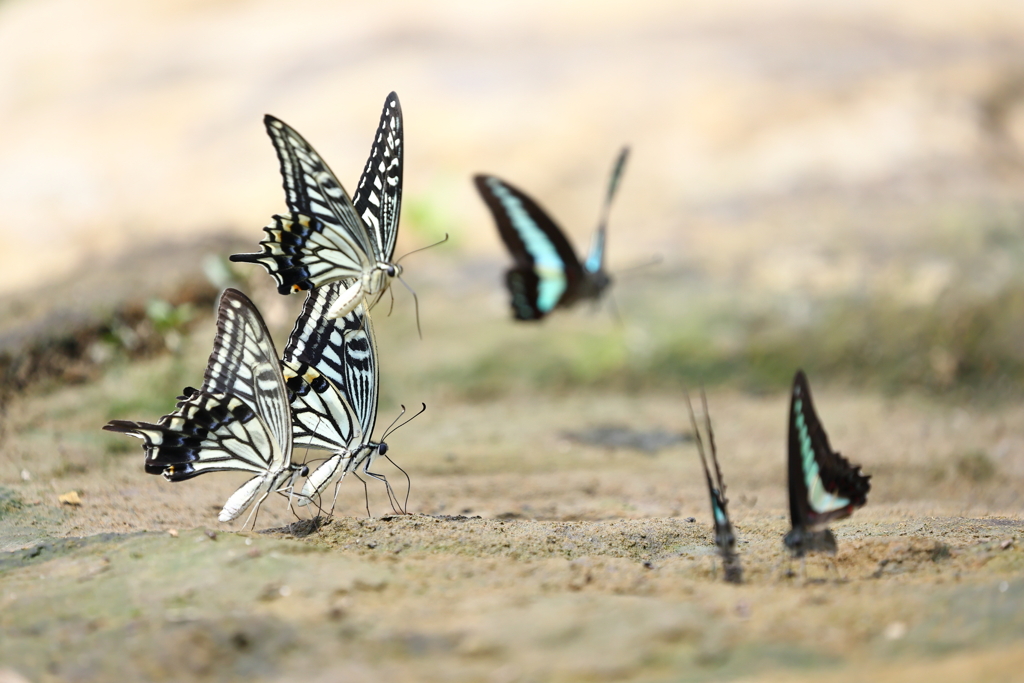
{"x": 725, "y": 537}
{"x": 330, "y": 366}
{"x": 328, "y": 237}
{"x": 239, "y": 420}
{"x": 547, "y": 274}
{"x": 823, "y": 485}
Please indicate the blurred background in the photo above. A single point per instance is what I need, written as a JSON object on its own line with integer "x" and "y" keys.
{"x": 834, "y": 185}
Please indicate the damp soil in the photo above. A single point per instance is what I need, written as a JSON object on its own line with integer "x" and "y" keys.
{"x": 526, "y": 555}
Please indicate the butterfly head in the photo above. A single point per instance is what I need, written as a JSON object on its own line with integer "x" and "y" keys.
{"x": 392, "y": 269}
{"x": 596, "y": 282}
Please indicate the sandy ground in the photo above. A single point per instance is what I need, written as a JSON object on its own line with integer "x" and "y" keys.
{"x": 529, "y": 555}
{"x": 785, "y": 156}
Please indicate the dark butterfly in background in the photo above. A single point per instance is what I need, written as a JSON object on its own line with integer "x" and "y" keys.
{"x": 823, "y": 485}
{"x": 547, "y": 273}
{"x": 725, "y": 537}
{"x": 328, "y": 237}
{"x": 239, "y": 420}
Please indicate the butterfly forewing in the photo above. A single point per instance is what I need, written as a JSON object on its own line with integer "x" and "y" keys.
{"x": 327, "y": 237}
{"x": 823, "y": 485}
{"x": 311, "y": 188}
{"x": 378, "y": 197}
{"x": 595, "y": 257}
{"x": 536, "y": 243}
{"x": 238, "y": 420}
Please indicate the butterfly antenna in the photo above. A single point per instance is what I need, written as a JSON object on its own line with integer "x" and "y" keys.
{"x": 429, "y": 246}
{"x": 408, "y": 484}
{"x": 643, "y": 264}
{"x": 392, "y": 429}
{"x": 416, "y": 303}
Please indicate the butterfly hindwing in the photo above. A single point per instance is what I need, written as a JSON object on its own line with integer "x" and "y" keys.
{"x": 238, "y": 420}
{"x": 823, "y": 485}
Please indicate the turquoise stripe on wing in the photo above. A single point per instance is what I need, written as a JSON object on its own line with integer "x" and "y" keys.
{"x": 821, "y": 500}
{"x": 546, "y": 262}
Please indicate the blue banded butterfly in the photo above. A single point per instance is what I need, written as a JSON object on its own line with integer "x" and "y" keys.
{"x": 725, "y": 537}
{"x": 823, "y": 485}
{"x": 547, "y": 273}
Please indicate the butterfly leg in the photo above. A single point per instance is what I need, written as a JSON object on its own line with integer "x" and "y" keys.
{"x": 834, "y": 564}
{"x": 408, "y": 485}
{"x": 392, "y": 496}
{"x": 290, "y": 490}
{"x": 334, "y": 501}
{"x": 255, "y": 511}
{"x": 366, "y": 494}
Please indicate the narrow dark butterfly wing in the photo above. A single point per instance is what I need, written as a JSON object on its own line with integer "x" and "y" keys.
{"x": 823, "y": 485}
{"x": 378, "y": 197}
{"x": 536, "y": 243}
{"x": 239, "y": 420}
{"x": 595, "y": 258}
{"x": 725, "y": 537}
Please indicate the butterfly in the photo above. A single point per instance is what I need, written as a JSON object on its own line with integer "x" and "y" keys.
{"x": 823, "y": 485}
{"x": 330, "y": 366}
{"x": 725, "y": 537}
{"x": 327, "y": 237}
{"x": 547, "y": 274}
{"x": 239, "y": 420}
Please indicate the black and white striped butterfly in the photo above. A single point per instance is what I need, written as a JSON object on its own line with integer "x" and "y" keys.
{"x": 725, "y": 537}
{"x": 547, "y": 273}
{"x": 239, "y": 420}
{"x": 330, "y": 365}
{"x": 327, "y": 236}
{"x": 823, "y": 485}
